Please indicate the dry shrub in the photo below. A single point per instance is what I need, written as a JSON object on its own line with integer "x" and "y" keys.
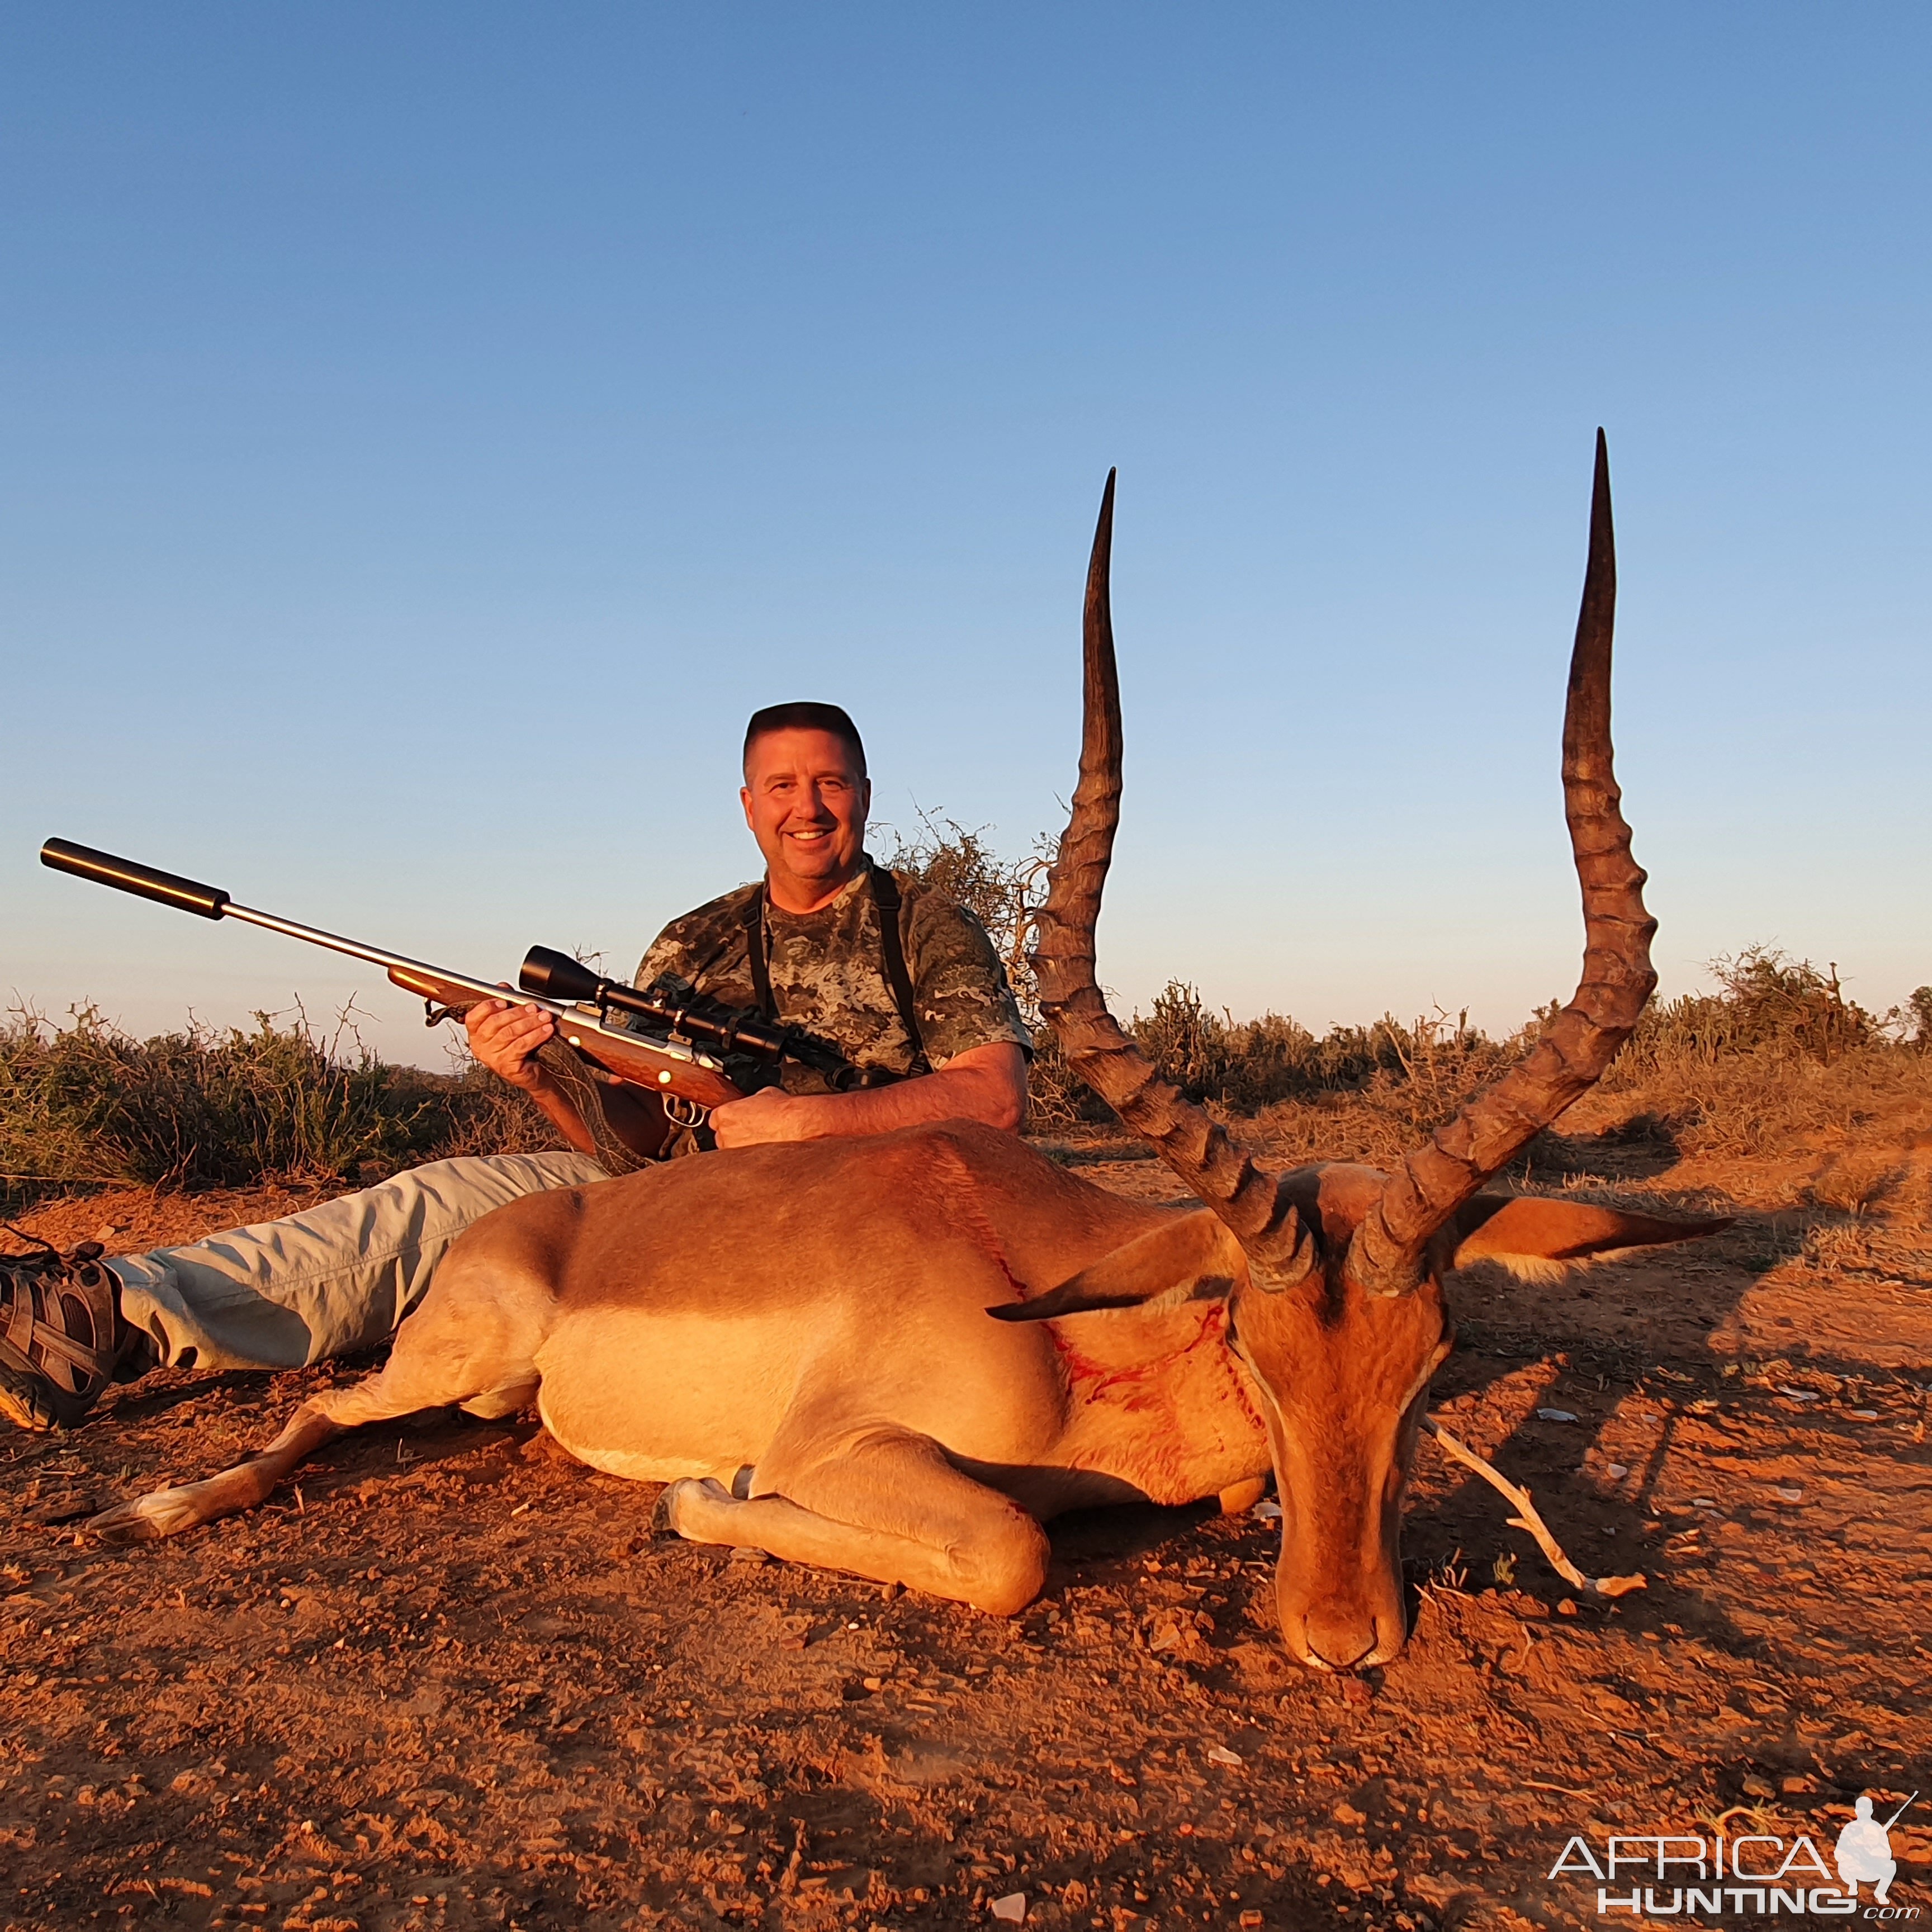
{"x": 1003, "y": 894}
{"x": 1391, "y": 1111}
{"x": 1057, "y": 1097}
{"x": 1777, "y": 1057}
{"x": 1765, "y": 1003}
{"x": 1355, "y": 1092}
{"x": 1912, "y": 1021}
{"x": 87, "y": 1102}
{"x": 1762, "y": 1101}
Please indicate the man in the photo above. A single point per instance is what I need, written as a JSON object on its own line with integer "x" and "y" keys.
{"x": 897, "y": 977}
{"x": 1863, "y": 1852}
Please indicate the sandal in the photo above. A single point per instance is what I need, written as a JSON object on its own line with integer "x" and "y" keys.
{"x": 62, "y": 1340}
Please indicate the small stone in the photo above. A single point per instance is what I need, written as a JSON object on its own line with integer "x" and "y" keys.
{"x": 1221, "y": 1754}
{"x": 1556, "y": 1415}
{"x": 1011, "y": 1908}
{"x": 1618, "y": 1471}
{"x": 1788, "y": 1493}
{"x": 1567, "y": 1607}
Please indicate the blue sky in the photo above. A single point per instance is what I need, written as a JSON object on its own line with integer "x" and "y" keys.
{"x": 426, "y": 433}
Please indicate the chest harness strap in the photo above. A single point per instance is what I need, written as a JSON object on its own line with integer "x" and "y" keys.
{"x": 887, "y": 900}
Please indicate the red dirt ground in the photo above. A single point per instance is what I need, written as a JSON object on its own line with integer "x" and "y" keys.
{"x": 453, "y": 1681}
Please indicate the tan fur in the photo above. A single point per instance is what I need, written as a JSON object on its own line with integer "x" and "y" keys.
{"x": 818, "y": 1313}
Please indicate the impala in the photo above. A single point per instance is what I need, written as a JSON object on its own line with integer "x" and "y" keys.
{"x": 899, "y": 1357}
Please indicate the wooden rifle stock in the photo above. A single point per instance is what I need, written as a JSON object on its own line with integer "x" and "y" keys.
{"x": 664, "y": 1065}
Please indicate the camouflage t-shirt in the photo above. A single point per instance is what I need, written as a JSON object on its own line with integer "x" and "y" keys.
{"x": 828, "y": 978}
{"x": 828, "y": 975}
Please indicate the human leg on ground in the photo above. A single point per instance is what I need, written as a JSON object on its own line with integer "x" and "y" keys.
{"x": 280, "y": 1294}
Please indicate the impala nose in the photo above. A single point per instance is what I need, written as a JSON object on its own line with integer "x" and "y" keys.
{"x": 1340, "y": 1636}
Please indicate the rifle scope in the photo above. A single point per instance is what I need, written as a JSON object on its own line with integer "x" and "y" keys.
{"x": 558, "y": 977}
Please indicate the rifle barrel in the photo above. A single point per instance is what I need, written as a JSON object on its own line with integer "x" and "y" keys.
{"x": 377, "y": 956}
{"x": 146, "y": 882}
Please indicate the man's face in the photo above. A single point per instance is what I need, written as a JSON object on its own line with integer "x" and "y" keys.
{"x": 806, "y": 803}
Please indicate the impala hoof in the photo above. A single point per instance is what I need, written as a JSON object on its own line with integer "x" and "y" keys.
{"x": 146, "y": 1520}
{"x": 663, "y": 1511}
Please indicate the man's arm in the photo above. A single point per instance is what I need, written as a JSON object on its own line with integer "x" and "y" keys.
{"x": 506, "y": 1038}
{"x": 985, "y": 1083}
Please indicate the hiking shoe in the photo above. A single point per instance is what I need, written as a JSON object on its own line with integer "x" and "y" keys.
{"x": 62, "y": 1339}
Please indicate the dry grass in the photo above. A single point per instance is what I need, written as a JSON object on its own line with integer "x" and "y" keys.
{"x": 1775, "y": 1063}
{"x": 86, "y": 1103}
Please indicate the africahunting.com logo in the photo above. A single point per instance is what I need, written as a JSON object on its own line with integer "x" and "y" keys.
{"x": 1750, "y": 1875}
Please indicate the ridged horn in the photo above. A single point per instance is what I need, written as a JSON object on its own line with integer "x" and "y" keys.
{"x": 1219, "y": 1172}
{"x": 1385, "y": 1256}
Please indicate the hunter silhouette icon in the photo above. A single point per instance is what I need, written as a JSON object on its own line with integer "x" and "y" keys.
{"x": 1864, "y": 1851}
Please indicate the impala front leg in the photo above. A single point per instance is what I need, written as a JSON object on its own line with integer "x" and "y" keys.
{"x": 188, "y": 1505}
{"x": 886, "y": 1504}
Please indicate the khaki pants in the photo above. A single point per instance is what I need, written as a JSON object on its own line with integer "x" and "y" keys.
{"x": 332, "y": 1280}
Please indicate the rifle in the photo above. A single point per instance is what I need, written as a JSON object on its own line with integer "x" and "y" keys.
{"x": 682, "y": 1061}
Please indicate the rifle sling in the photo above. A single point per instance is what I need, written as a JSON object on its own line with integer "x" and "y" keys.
{"x": 892, "y": 944}
{"x": 755, "y": 945}
{"x": 888, "y": 901}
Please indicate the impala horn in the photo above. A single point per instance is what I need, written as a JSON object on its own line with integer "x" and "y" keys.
{"x": 1196, "y": 1147}
{"x": 1386, "y": 1255}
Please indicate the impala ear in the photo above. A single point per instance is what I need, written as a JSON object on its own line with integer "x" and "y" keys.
{"x": 1190, "y": 1258}
{"x": 1540, "y": 1239}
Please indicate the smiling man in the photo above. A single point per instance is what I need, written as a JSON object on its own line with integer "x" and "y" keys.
{"x": 901, "y": 979}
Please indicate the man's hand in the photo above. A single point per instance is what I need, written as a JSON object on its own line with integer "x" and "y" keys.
{"x": 769, "y": 1114}
{"x": 505, "y": 1037}
{"x": 985, "y": 1083}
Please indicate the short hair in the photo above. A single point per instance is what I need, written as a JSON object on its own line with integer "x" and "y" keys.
{"x": 805, "y": 716}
